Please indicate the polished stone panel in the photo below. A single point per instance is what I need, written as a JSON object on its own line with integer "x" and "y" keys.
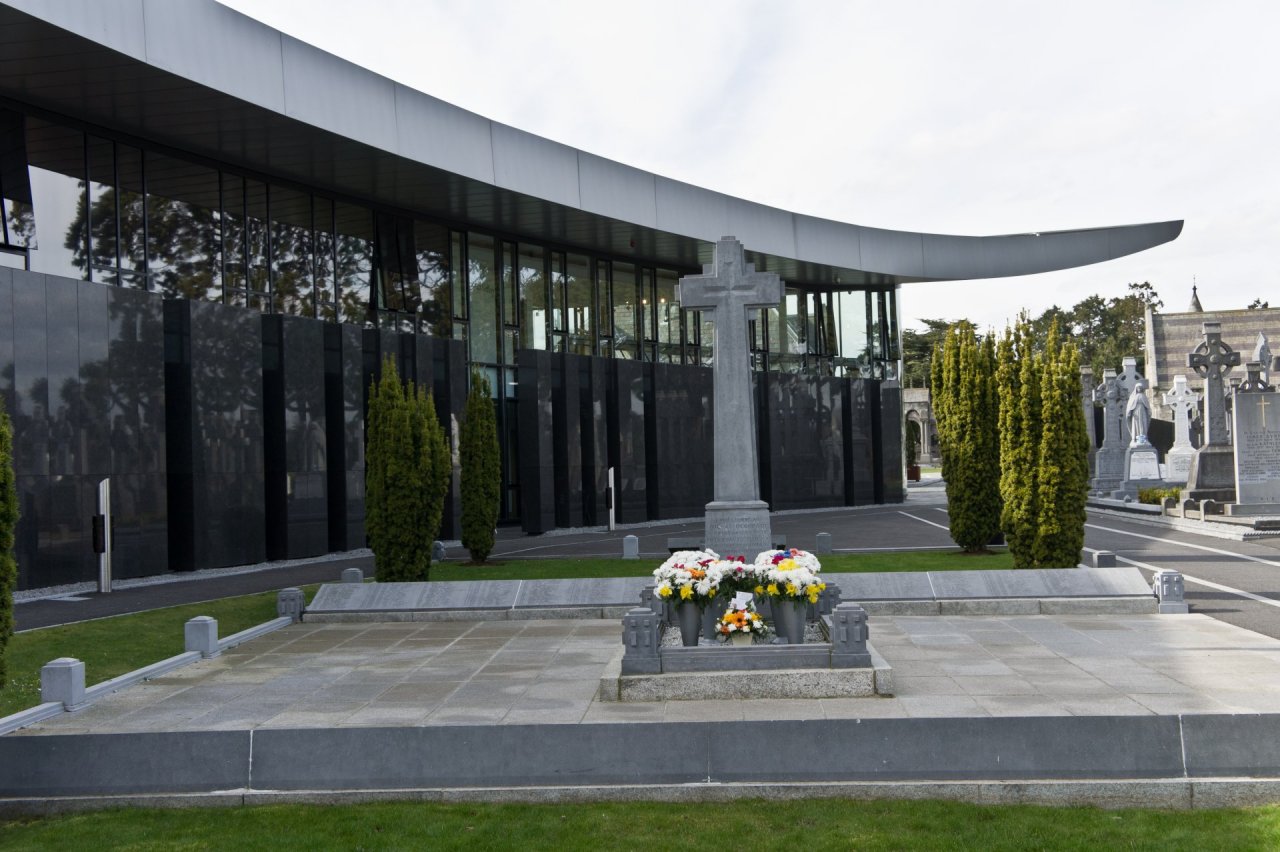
{"x": 566, "y": 407}
{"x": 805, "y": 451}
{"x": 859, "y": 459}
{"x": 890, "y": 443}
{"x": 681, "y": 418}
{"x": 627, "y": 450}
{"x": 593, "y": 388}
{"x": 537, "y": 453}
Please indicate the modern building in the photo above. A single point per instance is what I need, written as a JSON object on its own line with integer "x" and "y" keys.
{"x": 213, "y": 233}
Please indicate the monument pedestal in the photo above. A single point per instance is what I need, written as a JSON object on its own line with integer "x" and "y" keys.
{"x": 1213, "y": 475}
{"x": 1141, "y": 470}
{"x": 1178, "y": 463}
{"x": 738, "y": 527}
{"x": 1247, "y": 510}
{"x": 1109, "y": 467}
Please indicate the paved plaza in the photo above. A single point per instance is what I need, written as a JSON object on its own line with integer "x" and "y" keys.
{"x": 548, "y": 672}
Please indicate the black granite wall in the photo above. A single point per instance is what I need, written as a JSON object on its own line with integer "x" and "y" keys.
{"x": 803, "y": 444}
{"x": 681, "y": 417}
{"x": 537, "y": 451}
{"x": 626, "y": 435}
{"x": 859, "y": 462}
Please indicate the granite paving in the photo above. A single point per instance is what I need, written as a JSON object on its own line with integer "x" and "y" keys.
{"x": 548, "y": 672}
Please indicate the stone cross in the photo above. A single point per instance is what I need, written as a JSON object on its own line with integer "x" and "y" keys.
{"x": 1213, "y": 359}
{"x": 1255, "y": 380}
{"x": 1181, "y": 401}
{"x": 728, "y": 288}
{"x": 1111, "y": 395}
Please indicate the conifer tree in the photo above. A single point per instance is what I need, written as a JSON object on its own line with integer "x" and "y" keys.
{"x": 8, "y": 526}
{"x": 1019, "y": 440}
{"x": 1063, "y": 469}
{"x": 434, "y": 469}
{"x": 968, "y": 419}
{"x": 481, "y": 471}
{"x": 393, "y": 502}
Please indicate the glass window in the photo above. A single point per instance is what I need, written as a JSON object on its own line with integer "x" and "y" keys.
{"x": 648, "y": 315}
{"x": 559, "y": 299}
{"x": 668, "y": 317}
{"x": 55, "y": 234}
{"x": 354, "y": 237}
{"x": 533, "y": 296}
{"x": 510, "y": 304}
{"x": 183, "y": 229}
{"x": 854, "y": 345}
{"x": 604, "y": 301}
{"x": 482, "y": 283}
{"x": 390, "y": 274}
{"x": 627, "y": 316}
{"x": 104, "y": 247}
{"x": 292, "y": 252}
{"x": 580, "y": 293}
{"x": 707, "y": 340}
{"x": 457, "y": 271}
{"x": 233, "y": 241}
{"x": 133, "y": 217}
{"x": 322, "y": 218}
{"x": 17, "y": 219}
{"x": 256, "y": 228}
{"x": 431, "y": 243}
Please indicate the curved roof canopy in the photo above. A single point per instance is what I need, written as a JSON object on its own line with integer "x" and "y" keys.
{"x": 203, "y": 78}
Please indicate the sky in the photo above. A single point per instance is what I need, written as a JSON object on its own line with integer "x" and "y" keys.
{"x": 973, "y": 118}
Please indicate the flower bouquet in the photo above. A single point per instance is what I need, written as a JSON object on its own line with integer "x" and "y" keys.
{"x": 741, "y": 624}
{"x": 790, "y": 578}
{"x": 689, "y": 580}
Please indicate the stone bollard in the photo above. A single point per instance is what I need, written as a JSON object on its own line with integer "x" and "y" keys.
{"x": 641, "y": 634}
{"x": 849, "y": 637}
{"x": 437, "y": 551}
{"x": 630, "y": 547}
{"x": 1168, "y": 587}
{"x": 823, "y": 543}
{"x": 1104, "y": 559}
{"x": 829, "y": 599}
{"x": 201, "y": 634}
{"x": 290, "y": 603}
{"x": 63, "y": 680}
{"x": 352, "y": 575}
{"x": 1209, "y": 507}
{"x": 650, "y": 600}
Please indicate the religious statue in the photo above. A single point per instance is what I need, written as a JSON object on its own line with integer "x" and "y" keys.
{"x": 1138, "y": 414}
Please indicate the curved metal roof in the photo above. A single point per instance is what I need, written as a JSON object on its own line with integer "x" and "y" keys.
{"x": 203, "y": 78}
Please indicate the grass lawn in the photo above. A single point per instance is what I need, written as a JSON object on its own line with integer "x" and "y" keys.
{"x": 817, "y": 824}
{"x": 112, "y": 646}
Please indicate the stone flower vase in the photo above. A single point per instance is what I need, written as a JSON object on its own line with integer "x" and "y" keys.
{"x": 789, "y": 619}
{"x": 715, "y": 608}
{"x": 689, "y": 617}
{"x": 740, "y": 638}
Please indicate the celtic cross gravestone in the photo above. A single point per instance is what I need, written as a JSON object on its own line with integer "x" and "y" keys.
{"x": 1182, "y": 402}
{"x": 1212, "y": 474}
{"x": 1109, "y": 463}
{"x": 737, "y": 520}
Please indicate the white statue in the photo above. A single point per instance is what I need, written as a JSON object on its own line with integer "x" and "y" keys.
{"x": 1138, "y": 414}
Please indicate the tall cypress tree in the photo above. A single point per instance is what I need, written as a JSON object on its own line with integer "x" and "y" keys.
{"x": 481, "y": 471}
{"x": 393, "y": 502}
{"x": 1063, "y": 469}
{"x": 434, "y": 469}
{"x": 1020, "y": 439}
{"x": 968, "y": 420}
{"x": 8, "y": 525}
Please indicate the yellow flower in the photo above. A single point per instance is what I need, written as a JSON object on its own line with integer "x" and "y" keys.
{"x": 686, "y": 592}
{"x": 791, "y": 588}
{"x": 759, "y": 590}
{"x": 664, "y": 592}
{"x": 813, "y": 595}
{"x": 772, "y": 588}
{"x": 786, "y": 565}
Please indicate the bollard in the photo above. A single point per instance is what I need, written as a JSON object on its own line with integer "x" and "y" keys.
{"x": 352, "y": 575}
{"x": 290, "y": 603}
{"x": 641, "y": 634}
{"x": 1104, "y": 559}
{"x": 437, "y": 551}
{"x": 823, "y": 543}
{"x": 201, "y": 634}
{"x": 630, "y": 547}
{"x": 829, "y": 599}
{"x": 650, "y": 600}
{"x": 1168, "y": 587}
{"x": 63, "y": 680}
{"x": 849, "y": 637}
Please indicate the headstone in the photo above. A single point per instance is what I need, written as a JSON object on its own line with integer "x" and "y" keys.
{"x": 822, "y": 543}
{"x": 437, "y": 551}
{"x": 63, "y": 680}
{"x": 641, "y": 636}
{"x": 1109, "y": 463}
{"x": 1255, "y": 379}
{"x": 1257, "y": 451}
{"x": 1182, "y": 402}
{"x": 1086, "y": 398}
{"x": 1212, "y": 474}
{"x": 737, "y": 520}
{"x": 352, "y": 575}
{"x": 1141, "y": 460}
{"x": 630, "y": 547}
{"x": 201, "y": 634}
{"x": 849, "y": 637}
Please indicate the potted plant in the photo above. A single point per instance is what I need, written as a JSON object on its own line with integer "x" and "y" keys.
{"x": 689, "y": 580}
{"x": 741, "y": 624}
{"x": 791, "y": 581}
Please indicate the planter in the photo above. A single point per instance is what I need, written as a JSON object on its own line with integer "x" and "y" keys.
{"x": 913, "y": 473}
{"x": 711, "y": 616}
{"x": 689, "y": 617}
{"x": 741, "y": 638}
{"x": 789, "y": 619}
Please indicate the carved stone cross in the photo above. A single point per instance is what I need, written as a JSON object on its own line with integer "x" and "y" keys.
{"x": 1112, "y": 396}
{"x": 728, "y": 288}
{"x": 1128, "y": 379}
{"x": 1182, "y": 401}
{"x": 1213, "y": 359}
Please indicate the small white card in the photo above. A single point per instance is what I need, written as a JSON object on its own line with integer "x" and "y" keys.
{"x": 742, "y": 600}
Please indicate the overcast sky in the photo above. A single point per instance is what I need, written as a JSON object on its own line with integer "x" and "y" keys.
{"x": 968, "y": 118}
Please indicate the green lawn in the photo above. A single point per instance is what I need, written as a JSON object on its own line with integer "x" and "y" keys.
{"x": 811, "y": 825}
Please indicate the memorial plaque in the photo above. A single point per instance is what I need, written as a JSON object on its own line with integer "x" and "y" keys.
{"x": 1179, "y": 467}
{"x": 1257, "y": 448}
{"x": 1143, "y": 464}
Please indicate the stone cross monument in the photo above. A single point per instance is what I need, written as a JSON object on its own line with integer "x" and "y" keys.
{"x": 1109, "y": 462}
{"x": 1256, "y": 442}
{"x": 1212, "y": 474}
{"x": 737, "y": 520}
{"x": 1181, "y": 401}
{"x": 1128, "y": 378}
